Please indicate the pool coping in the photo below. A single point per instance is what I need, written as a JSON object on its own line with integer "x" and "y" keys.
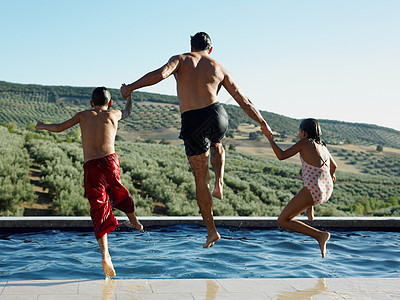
{"x": 200, "y": 289}
{"x": 352, "y": 223}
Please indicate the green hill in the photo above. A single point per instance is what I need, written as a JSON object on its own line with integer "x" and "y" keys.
{"x": 158, "y": 176}
{"x": 24, "y": 103}
{"x": 161, "y": 183}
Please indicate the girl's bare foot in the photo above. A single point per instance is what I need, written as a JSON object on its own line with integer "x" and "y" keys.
{"x": 310, "y": 213}
{"x": 211, "y": 239}
{"x": 108, "y": 267}
{"x": 325, "y": 236}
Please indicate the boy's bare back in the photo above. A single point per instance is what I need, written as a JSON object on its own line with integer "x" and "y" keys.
{"x": 98, "y": 128}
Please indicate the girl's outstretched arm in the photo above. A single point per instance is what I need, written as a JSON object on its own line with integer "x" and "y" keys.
{"x": 284, "y": 154}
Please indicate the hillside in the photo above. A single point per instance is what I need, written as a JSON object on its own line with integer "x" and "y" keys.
{"x": 157, "y": 114}
{"x": 41, "y": 172}
{"x": 160, "y": 181}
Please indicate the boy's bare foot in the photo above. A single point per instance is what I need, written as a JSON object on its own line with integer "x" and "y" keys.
{"x": 135, "y": 225}
{"x": 218, "y": 191}
{"x": 133, "y": 222}
{"x": 211, "y": 239}
{"x": 325, "y": 236}
{"x": 108, "y": 267}
{"x": 310, "y": 213}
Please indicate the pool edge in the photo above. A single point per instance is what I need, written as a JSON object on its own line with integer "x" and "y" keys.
{"x": 353, "y": 223}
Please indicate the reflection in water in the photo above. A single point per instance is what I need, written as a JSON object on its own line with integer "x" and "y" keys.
{"x": 212, "y": 290}
{"x": 305, "y": 294}
{"x": 108, "y": 289}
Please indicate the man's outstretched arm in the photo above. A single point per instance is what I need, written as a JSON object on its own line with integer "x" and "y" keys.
{"x": 153, "y": 77}
{"x": 245, "y": 103}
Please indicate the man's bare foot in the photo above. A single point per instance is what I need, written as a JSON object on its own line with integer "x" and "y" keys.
{"x": 310, "y": 213}
{"x": 325, "y": 236}
{"x": 211, "y": 239}
{"x": 108, "y": 267}
{"x": 218, "y": 191}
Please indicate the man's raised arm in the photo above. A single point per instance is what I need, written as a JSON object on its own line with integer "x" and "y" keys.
{"x": 245, "y": 103}
{"x": 153, "y": 77}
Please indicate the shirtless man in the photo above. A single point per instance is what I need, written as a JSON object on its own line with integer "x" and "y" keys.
{"x": 101, "y": 168}
{"x": 204, "y": 120}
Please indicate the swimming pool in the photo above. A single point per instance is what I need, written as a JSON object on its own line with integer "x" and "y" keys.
{"x": 176, "y": 252}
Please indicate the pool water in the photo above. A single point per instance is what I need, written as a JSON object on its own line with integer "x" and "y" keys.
{"x": 176, "y": 252}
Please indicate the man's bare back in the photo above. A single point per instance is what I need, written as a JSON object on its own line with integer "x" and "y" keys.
{"x": 198, "y": 78}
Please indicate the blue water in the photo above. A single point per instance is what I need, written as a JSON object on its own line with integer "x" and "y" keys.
{"x": 176, "y": 252}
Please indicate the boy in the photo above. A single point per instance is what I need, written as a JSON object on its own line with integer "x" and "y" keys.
{"x": 102, "y": 167}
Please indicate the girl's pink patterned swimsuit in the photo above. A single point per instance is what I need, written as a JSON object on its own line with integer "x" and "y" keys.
{"x": 318, "y": 180}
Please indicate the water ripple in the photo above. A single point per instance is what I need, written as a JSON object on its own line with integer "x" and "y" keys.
{"x": 176, "y": 252}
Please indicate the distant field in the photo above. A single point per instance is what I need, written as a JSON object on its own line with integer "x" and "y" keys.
{"x": 23, "y": 104}
{"x": 46, "y": 177}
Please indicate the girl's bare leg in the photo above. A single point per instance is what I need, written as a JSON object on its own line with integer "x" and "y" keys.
{"x": 108, "y": 267}
{"x": 310, "y": 213}
{"x": 297, "y": 205}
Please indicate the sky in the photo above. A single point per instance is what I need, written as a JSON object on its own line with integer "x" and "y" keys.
{"x": 336, "y": 60}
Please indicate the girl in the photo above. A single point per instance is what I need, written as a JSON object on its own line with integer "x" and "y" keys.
{"x": 318, "y": 172}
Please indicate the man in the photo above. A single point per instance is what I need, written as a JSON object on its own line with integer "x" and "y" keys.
{"x": 204, "y": 120}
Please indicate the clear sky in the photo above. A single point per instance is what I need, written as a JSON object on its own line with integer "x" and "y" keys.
{"x": 334, "y": 60}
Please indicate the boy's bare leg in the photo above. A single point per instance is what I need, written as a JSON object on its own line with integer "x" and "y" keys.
{"x": 108, "y": 267}
{"x": 298, "y": 204}
{"x": 218, "y": 163}
{"x": 133, "y": 221}
{"x": 199, "y": 164}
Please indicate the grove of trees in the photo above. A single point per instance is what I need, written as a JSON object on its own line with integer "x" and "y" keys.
{"x": 160, "y": 180}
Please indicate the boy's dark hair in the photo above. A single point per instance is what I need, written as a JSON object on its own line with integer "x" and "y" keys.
{"x": 313, "y": 129}
{"x": 101, "y": 96}
{"x": 200, "y": 41}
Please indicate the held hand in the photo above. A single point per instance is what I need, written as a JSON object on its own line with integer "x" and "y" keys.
{"x": 266, "y": 130}
{"x": 125, "y": 91}
{"x": 129, "y": 97}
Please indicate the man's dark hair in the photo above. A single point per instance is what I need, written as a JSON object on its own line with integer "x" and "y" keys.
{"x": 200, "y": 41}
{"x": 101, "y": 96}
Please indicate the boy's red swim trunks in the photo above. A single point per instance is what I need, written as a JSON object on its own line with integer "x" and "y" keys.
{"x": 102, "y": 186}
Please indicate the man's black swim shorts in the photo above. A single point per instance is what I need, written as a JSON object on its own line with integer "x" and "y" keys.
{"x": 201, "y": 127}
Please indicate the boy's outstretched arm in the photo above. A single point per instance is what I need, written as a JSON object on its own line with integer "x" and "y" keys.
{"x": 128, "y": 107}
{"x": 58, "y": 127}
